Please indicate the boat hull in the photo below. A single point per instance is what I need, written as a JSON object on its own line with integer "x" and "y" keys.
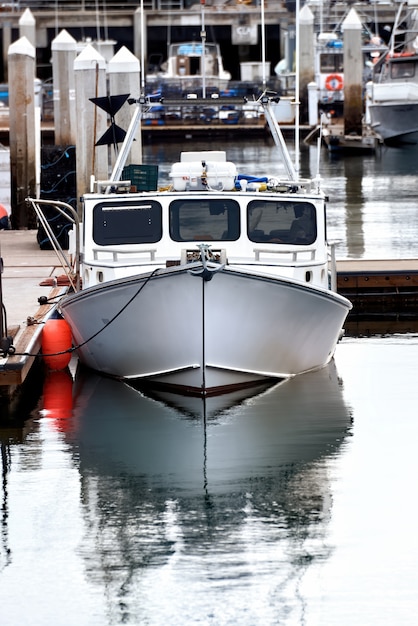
{"x": 205, "y": 336}
{"x": 395, "y": 121}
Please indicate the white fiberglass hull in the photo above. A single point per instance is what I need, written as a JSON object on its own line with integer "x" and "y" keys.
{"x": 204, "y": 336}
{"x": 395, "y": 121}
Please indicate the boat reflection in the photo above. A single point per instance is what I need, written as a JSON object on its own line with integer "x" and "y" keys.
{"x": 178, "y": 493}
{"x": 213, "y": 444}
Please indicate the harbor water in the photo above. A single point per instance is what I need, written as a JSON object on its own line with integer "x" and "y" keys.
{"x": 295, "y": 505}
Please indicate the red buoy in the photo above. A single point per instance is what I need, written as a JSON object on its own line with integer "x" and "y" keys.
{"x": 56, "y": 338}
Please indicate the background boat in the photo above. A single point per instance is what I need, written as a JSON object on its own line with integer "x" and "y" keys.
{"x": 392, "y": 104}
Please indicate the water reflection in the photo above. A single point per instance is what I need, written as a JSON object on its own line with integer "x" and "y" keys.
{"x": 189, "y": 501}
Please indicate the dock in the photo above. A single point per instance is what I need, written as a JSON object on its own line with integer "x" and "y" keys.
{"x": 170, "y": 131}
{"x": 386, "y": 287}
{"x": 379, "y": 290}
{"x": 25, "y": 267}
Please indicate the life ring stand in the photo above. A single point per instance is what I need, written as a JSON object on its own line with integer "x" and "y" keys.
{"x": 334, "y": 82}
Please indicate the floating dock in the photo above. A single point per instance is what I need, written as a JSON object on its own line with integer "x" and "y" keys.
{"x": 379, "y": 290}
{"x": 380, "y": 287}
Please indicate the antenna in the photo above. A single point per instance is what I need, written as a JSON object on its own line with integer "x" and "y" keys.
{"x": 297, "y": 103}
{"x": 142, "y": 50}
{"x": 263, "y": 45}
{"x": 203, "y": 60}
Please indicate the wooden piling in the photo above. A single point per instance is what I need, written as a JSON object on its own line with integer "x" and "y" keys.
{"x": 124, "y": 78}
{"x": 23, "y": 144}
{"x": 353, "y": 74}
{"x": 90, "y": 82}
{"x": 64, "y": 53}
{"x": 306, "y": 58}
{"x": 27, "y": 26}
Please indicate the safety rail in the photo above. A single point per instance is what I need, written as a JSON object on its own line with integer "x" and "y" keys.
{"x": 332, "y": 264}
{"x": 70, "y": 214}
{"x": 291, "y": 254}
{"x": 115, "y": 252}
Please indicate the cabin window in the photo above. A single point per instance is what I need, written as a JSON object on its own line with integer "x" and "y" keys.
{"x": 330, "y": 63}
{"x": 117, "y": 223}
{"x": 403, "y": 69}
{"x": 281, "y": 222}
{"x": 201, "y": 220}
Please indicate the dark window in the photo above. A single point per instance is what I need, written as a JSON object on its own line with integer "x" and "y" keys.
{"x": 200, "y": 220}
{"x": 127, "y": 222}
{"x": 271, "y": 221}
{"x": 331, "y": 63}
{"x": 403, "y": 69}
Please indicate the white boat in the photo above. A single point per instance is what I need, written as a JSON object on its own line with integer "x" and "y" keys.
{"x": 215, "y": 282}
{"x": 329, "y": 69}
{"x": 188, "y": 64}
{"x": 393, "y": 94}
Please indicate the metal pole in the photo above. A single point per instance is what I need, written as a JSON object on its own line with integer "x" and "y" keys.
{"x": 203, "y": 58}
{"x": 263, "y": 45}
{"x": 3, "y": 331}
{"x": 6, "y": 342}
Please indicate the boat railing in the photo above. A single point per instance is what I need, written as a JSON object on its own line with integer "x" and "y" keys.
{"x": 299, "y": 257}
{"x": 332, "y": 265}
{"x": 70, "y": 266}
{"x": 101, "y": 253}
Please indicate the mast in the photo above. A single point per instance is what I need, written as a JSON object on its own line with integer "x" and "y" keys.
{"x": 297, "y": 89}
{"x": 203, "y": 39}
{"x": 263, "y": 44}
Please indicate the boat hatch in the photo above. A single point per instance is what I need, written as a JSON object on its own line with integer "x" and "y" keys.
{"x": 127, "y": 222}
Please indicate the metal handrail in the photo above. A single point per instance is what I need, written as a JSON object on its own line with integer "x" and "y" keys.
{"x": 70, "y": 214}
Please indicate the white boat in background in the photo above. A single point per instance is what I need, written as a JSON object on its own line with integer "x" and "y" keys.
{"x": 216, "y": 282}
{"x": 188, "y": 65}
{"x": 393, "y": 94}
{"x": 329, "y": 69}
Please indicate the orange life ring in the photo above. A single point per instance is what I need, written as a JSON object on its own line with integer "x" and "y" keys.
{"x": 334, "y": 82}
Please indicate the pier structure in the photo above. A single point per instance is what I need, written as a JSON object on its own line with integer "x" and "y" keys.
{"x": 234, "y": 24}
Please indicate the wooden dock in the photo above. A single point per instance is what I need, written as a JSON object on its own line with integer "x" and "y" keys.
{"x": 25, "y": 266}
{"x": 378, "y": 289}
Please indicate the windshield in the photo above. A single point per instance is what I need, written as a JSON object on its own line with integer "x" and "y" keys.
{"x": 208, "y": 219}
{"x": 281, "y": 222}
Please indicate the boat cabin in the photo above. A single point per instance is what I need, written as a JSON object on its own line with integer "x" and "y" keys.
{"x": 141, "y": 221}
{"x": 192, "y": 60}
{"x": 279, "y": 229}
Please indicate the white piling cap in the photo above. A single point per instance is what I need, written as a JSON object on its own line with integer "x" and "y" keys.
{"x": 27, "y": 18}
{"x": 88, "y": 58}
{"x": 22, "y": 46}
{"x": 352, "y": 21}
{"x": 123, "y": 62}
{"x": 306, "y": 16}
{"x": 63, "y": 41}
